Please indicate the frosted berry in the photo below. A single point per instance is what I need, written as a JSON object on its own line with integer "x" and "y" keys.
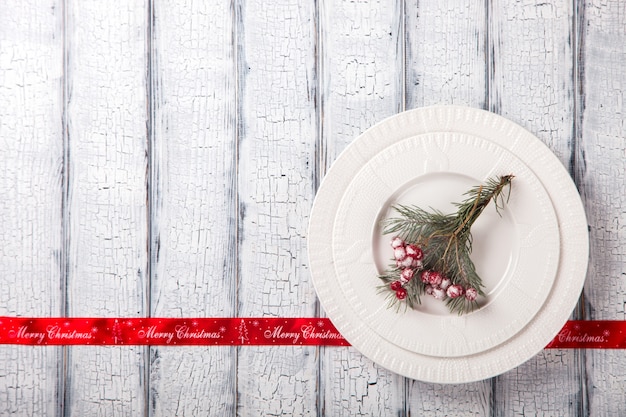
{"x": 395, "y": 286}
{"x": 399, "y": 253}
{"x": 435, "y": 278}
{"x": 407, "y": 262}
{"x": 471, "y": 294}
{"x": 417, "y": 264}
{"x": 429, "y": 289}
{"x": 445, "y": 283}
{"x": 407, "y": 274}
{"x": 438, "y": 293}
{"x": 454, "y": 291}
{"x": 397, "y": 242}
{"x": 401, "y": 293}
{"x": 415, "y": 251}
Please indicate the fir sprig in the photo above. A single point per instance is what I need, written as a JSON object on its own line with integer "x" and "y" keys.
{"x": 446, "y": 241}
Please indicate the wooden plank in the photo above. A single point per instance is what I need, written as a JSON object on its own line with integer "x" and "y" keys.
{"x": 531, "y": 83}
{"x": 530, "y": 79}
{"x": 31, "y": 186}
{"x": 600, "y": 167}
{"x": 277, "y": 132}
{"x": 361, "y": 55}
{"x": 446, "y": 64}
{"x": 445, "y": 53}
{"x": 107, "y": 209}
{"x": 194, "y": 200}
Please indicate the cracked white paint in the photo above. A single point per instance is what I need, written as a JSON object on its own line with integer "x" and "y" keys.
{"x": 193, "y": 246}
{"x": 276, "y": 157}
{"x": 30, "y": 187}
{"x": 107, "y": 200}
{"x": 602, "y": 166}
{"x": 212, "y": 123}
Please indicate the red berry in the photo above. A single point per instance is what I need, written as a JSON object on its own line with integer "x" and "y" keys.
{"x": 401, "y": 293}
{"x": 407, "y": 262}
{"x": 407, "y": 274}
{"x": 415, "y": 251}
{"x": 438, "y": 293}
{"x": 425, "y": 276}
{"x": 399, "y": 253}
{"x": 396, "y": 242}
{"x": 445, "y": 283}
{"x": 395, "y": 286}
{"x": 435, "y": 278}
{"x": 455, "y": 291}
{"x": 471, "y": 294}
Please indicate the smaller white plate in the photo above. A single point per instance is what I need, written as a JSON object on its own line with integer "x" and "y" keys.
{"x": 515, "y": 254}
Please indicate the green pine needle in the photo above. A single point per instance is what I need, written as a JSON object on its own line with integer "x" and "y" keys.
{"x": 446, "y": 241}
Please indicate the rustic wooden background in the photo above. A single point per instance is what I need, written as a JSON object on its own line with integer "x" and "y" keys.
{"x": 161, "y": 158}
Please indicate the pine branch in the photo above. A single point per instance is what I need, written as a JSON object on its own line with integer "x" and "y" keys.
{"x": 446, "y": 242}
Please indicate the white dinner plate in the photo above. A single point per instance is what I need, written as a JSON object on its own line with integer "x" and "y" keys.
{"x": 431, "y": 171}
{"x": 362, "y": 317}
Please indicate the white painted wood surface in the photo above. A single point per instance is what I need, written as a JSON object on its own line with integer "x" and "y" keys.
{"x": 105, "y": 213}
{"x": 192, "y": 142}
{"x": 31, "y": 190}
{"x": 161, "y": 158}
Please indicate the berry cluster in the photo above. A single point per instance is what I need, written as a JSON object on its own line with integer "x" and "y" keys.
{"x": 408, "y": 259}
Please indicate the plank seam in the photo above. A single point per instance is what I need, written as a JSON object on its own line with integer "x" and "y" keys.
{"x": 237, "y": 31}
{"x": 63, "y": 373}
{"x": 318, "y": 173}
{"x": 150, "y": 192}
{"x": 577, "y": 36}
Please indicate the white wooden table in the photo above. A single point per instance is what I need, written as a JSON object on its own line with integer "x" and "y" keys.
{"x": 161, "y": 158}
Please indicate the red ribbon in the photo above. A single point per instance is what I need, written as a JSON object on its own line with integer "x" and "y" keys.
{"x": 242, "y": 331}
{"x": 591, "y": 334}
{"x": 169, "y": 331}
